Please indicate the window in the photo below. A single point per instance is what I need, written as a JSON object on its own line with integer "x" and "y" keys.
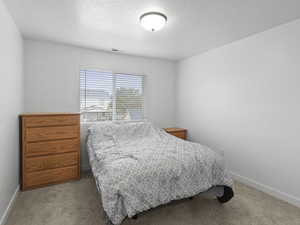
{"x": 109, "y": 96}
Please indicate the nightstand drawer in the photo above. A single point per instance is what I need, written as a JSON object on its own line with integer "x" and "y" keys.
{"x": 177, "y": 132}
{"x": 50, "y": 162}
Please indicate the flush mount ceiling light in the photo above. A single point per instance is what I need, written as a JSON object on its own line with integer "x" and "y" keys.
{"x": 153, "y": 21}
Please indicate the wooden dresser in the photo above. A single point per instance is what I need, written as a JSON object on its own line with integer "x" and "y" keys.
{"x": 50, "y": 149}
{"x": 178, "y": 132}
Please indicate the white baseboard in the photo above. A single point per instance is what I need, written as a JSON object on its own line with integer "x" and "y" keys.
{"x": 11, "y": 203}
{"x": 267, "y": 189}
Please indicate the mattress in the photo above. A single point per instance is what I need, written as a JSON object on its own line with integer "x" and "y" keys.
{"x": 138, "y": 167}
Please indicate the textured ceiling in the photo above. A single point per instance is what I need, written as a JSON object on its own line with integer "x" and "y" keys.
{"x": 194, "y": 26}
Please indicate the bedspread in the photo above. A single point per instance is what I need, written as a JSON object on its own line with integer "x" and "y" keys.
{"x": 138, "y": 166}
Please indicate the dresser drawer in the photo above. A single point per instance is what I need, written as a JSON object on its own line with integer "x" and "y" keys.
{"x": 39, "y": 178}
{"x": 51, "y": 162}
{"x": 52, "y": 147}
{"x": 51, "y": 133}
{"x": 41, "y": 121}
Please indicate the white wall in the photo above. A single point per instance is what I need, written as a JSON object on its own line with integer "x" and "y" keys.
{"x": 52, "y": 80}
{"x": 11, "y": 104}
{"x": 244, "y": 99}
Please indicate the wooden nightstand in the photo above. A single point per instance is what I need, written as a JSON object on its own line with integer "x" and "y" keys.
{"x": 178, "y": 132}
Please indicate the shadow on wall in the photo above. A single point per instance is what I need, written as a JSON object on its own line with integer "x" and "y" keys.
{"x": 84, "y": 159}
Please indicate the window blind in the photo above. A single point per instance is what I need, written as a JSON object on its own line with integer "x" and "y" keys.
{"x": 129, "y": 97}
{"x": 109, "y": 96}
{"x": 96, "y": 95}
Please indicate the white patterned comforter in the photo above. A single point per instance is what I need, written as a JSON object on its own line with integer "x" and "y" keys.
{"x": 137, "y": 167}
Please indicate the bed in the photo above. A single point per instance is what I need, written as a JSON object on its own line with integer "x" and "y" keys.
{"x": 137, "y": 167}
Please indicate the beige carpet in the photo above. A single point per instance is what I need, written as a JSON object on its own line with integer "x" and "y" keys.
{"x": 78, "y": 203}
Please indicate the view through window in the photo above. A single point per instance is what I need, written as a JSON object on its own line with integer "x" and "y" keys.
{"x": 109, "y": 96}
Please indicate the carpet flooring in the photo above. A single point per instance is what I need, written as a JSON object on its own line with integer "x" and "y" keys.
{"x": 78, "y": 203}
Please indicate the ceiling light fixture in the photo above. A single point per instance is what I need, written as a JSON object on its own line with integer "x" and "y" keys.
{"x": 153, "y": 21}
